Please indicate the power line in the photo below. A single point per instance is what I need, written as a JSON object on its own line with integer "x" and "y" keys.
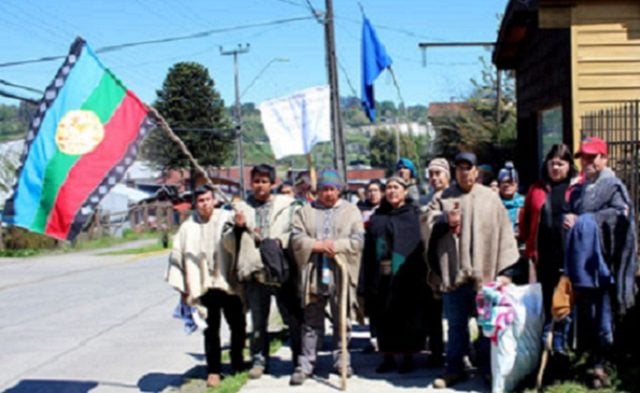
{"x": 18, "y": 97}
{"x": 346, "y": 75}
{"x": 31, "y": 89}
{"x": 201, "y": 34}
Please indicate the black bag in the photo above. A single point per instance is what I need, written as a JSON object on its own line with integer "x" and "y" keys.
{"x": 276, "y": 265}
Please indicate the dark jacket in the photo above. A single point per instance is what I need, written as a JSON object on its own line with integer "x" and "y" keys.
{"x": 608, "y": 200}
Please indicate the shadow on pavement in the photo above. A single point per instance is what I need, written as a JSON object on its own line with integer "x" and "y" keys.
{"x": 157, "y": 382}
{"x": 60, "y": 386}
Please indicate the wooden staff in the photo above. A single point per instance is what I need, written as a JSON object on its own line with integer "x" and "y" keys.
{"x": 344, "y": 280}
{"x": 312, "y": 172}
{"x": 162, "y": 123}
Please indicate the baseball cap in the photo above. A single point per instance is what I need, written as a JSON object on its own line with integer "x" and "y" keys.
{"x": 508, "y": 172}
{"x": 592, "y": 145}
{"x": 466, "y": 156}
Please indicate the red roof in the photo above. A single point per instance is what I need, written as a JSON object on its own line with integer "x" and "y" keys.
{"x": 440, "y": 109}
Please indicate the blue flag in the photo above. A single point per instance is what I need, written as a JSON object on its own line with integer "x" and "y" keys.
{"x": 374, "y": 61}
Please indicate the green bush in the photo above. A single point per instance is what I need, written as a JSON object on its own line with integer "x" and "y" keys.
{"x": 16, "y": 238}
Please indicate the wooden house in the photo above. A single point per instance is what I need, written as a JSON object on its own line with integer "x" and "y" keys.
{"x": 570, "y": 57}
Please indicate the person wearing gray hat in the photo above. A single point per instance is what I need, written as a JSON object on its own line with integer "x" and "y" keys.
{"x": 439, "y": 174}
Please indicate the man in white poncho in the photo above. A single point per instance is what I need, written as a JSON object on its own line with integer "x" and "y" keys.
{"x": 201, "y": 271}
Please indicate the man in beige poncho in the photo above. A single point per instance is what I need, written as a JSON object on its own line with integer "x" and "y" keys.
{"x": 260, "y": 234}
{"x": 470, "y": 242}
{"x": 200, "y": 270}
{"x": 324, "y": 231}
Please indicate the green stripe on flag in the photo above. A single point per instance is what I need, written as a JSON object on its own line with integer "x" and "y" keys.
{"x": 103, "y": 101}
{"x": 105, "y": 98}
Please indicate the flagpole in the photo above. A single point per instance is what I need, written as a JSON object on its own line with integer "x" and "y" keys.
{"x": 404, "y": 111}
{"x": 339, "y": 158}
{"x": 312, "y": 172}
{"x": 165, "y": 126}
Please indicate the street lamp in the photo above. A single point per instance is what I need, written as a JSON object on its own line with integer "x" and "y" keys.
{"x": 262, "y": 71}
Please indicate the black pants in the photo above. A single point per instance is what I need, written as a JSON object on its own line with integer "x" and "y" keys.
{"x": 216, "y": 301}
{"x": 259, "y": 300}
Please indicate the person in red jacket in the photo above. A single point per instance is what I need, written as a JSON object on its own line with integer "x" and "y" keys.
{"x": 541, "y": 230}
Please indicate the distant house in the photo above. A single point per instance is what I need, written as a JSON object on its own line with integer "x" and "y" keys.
{"x": 438, "y": 110}
{"x": 571, "y": 57}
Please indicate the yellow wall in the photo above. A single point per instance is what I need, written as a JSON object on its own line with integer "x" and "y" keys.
{"x": 605, "y": 46}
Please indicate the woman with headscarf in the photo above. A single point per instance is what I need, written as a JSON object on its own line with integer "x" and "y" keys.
{"x": 406, "y": 169}
{"x": 395, "y": 288}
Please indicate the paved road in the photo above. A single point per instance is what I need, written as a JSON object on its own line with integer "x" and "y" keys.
{"x": 83, "y": 322}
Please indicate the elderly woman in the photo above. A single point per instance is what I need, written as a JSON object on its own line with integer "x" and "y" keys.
{"x": 541, "y": 230}
{"x": 394, "y": 277}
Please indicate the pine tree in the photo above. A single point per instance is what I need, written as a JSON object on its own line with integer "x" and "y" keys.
{"x": 189, "y": 101}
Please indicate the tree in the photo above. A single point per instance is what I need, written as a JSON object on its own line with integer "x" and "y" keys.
{"x": 382, "y": 147}
{"x": 188, "y": 100}
{"x": 474, "y": 125}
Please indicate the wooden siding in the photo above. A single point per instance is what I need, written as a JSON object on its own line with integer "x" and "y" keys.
{"x": 605, "y": 44}
{"x": 543, "y": 69}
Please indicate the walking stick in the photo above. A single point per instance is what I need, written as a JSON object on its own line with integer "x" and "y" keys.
{"x": 545, "y": 358}
{"x": 344, "y": 280}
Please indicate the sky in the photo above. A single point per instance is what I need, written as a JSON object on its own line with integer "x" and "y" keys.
{"x": 39, "y": 28}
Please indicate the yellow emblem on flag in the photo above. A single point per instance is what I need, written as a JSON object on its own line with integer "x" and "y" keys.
{"x": 79, "y": 132}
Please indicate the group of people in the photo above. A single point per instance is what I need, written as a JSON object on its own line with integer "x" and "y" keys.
{"x": 406, "y": 264}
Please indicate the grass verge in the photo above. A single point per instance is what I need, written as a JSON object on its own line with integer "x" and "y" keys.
{"x": 233, "y": 383}
{"x": 82, "y": 245}
{"x": 151, "y": 248}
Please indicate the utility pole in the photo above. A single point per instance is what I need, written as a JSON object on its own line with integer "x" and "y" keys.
{"x": 238, "y": 115}
{"x": 336, "y": 118}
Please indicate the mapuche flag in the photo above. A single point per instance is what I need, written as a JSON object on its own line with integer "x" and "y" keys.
{"x": 80, "y": 143}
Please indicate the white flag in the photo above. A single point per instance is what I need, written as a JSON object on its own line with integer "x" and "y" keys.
{"x": 297, "y": 122}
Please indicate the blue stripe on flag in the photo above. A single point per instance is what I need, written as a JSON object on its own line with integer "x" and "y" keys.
{"x": 82, "y": 80}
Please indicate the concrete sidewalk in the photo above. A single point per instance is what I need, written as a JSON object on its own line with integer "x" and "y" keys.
{"x": 365, "y": 380}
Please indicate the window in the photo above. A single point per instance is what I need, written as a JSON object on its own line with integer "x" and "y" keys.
{"x": 549, "y": 129}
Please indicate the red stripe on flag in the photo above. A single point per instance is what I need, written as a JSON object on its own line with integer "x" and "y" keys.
{"x": 87, "y": 174}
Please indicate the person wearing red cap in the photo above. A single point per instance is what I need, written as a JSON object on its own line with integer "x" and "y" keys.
{"x": 602, "y": 267}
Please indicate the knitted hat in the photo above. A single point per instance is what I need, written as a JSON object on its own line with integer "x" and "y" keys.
{"x": 328, "y": 178}
{"x": 398, "y": 180}
{"x": 508, "y": 172}
{"x": 439, "y": 164}
{"x": 406, "y": 163}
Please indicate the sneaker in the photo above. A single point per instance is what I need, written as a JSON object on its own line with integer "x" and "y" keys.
{"x": 448, "y": 380}
{"x": 298, "y": 377}
{"x": 213, "y": 380}
{"x": 388, "y": 364}
{"x": 256, "y": 372}
{"x": 600, "y": 379}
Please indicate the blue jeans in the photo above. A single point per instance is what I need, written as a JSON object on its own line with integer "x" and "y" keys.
{"x": 459, "y": 305}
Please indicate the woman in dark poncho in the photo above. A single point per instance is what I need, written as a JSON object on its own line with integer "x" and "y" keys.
{"x": 394, "y": 278}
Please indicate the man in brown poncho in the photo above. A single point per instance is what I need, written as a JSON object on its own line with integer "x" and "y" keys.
{"x": 470, "y": 242}
{"x": 324, "y": 232}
